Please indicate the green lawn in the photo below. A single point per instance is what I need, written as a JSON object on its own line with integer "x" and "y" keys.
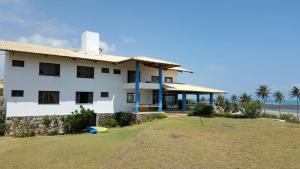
{"x": 176, "y": 142}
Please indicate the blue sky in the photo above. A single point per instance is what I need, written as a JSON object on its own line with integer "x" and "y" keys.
{"x": 233, "y": 45}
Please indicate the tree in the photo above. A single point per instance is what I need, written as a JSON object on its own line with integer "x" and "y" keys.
{"x": 227, "y": 106}
{"x": 234, "y": 104}
{"x": 220, "y": 101}
{"x": 202, "y": 100}
{"x": 245, "y": 98}
{"x": 263, "y": 93}
{"x": 279, "y": 97}
{"x": 295, "y": 93}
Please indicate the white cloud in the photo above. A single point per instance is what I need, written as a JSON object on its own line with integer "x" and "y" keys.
{"x": 107, "y": 48}
{"x": 43, "y": 40}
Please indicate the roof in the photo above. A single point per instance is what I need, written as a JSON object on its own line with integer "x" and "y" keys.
{"x": 179, "y": 69}
{"x": 153, "y": 62}
{"x": 190, "y": 88}
{"x": 45, "y": 50}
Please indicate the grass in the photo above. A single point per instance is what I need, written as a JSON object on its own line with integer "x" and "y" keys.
{"x": 176, "y": 142}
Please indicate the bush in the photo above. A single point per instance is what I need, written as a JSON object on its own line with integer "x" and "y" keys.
{"x": 125, "y": 119}
{"x": 150, "y": 117}
{"x": 268, "y": 115}
{"x": 47, "y": 121}
{"x": 289, "y": 118}
{"x": 202, "y": 109}
{"x": 110, "y": 121}
{"x": 251, "y": 109}
{"x": 79, "y": 120}
{"x": 2, "y": 122}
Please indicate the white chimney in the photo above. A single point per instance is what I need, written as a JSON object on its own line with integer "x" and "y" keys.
{"x": 90, "y": 42}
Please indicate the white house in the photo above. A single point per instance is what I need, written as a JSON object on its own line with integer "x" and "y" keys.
{"x": 42, "y": 80}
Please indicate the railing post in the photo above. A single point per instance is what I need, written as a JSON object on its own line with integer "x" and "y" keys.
{"x": 184, "y": 102}
{"x": 137, "y": 87}
{"x": 160, "y": 93}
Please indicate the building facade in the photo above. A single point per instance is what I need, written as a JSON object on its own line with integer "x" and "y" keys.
{"x": 41, "y": 81}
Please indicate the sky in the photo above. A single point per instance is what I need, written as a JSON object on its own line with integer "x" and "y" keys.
{"x": 232, "y": 45}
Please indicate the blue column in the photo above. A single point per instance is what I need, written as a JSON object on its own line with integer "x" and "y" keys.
{"x": 176, "y": 98}
{"x": 160, "y": 96}
{"x": 183, "y": 102}
{"x": 137, "y": 87}
{"x": 211, "y": 99}
{"x": 198, "y": 98}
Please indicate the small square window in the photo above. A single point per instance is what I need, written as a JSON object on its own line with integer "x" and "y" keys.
{"x": 154, "y": 79}
{"x": 117, "y": 71}
{"x": 17, "y": 93}
{"x": 85, "y": 72}
{"x": 130, "y": 97}
{"x": 168, "y": 79}
{"x": 104, "y": 94}
{"x": 105, "y": 70}
{"x": 18, "y": 63}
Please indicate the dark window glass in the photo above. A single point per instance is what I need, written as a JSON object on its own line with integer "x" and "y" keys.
{"x": 154, "y": 79}
{"x": 17, "y": 63}
{"x": 48, "y": 97}
{"x": 105, "y": 70}
{"x": 169, "y": 79}
{"x": 131, "y": 76}
{"x": 17, "y": 93}
{"x": 84, "y": 97}
{"x": 85, "y": 72}
{"x": 104, "y": 94}
{"x": 117, "y": 71}
{"x": 49, "y": 69}
{"x": 130, "y": 97}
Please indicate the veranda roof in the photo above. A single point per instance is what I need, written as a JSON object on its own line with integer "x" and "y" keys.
{"x": 190, "y": 88}
{"x": 179, "y": 69}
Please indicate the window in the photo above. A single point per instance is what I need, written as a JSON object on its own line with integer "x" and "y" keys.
{"x": 131, "y": 76}
{"x": 117, "y": 71}
{"x": 17, "y": 63}
{"x": 85, "y": 72}
{"x": 48, "y": 97}
{"x": 130, "y": 97}
{"x": 105, "y": 70}
{"x": 169, "y": 79}
{"x": 154, "y": 79}
{"x": 104, "y": 94}
{"x": 17, "y": 93}
{"x": 84, "y": 97}
{"x": 49, "y": 69}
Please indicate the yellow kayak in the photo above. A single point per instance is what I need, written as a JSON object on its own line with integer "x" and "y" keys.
{"x": 101, "y": 129}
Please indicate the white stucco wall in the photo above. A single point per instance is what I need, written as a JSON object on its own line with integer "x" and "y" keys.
{"x": 28, "y": 79}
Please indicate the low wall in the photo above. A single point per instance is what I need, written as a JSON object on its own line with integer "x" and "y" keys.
{"x": 31, "y": 126}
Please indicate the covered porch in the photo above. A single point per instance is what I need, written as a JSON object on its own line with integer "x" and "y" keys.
{"x": 159, "y": 96}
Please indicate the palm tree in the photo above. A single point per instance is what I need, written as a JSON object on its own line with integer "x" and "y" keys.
{"x": 233, "y": 98}
{"x": 279, "y": 97}
{"x": 234, "y": 104}
{"x": 263, "y": 93}
{"x": 245, "y": 98}
{"x": 295, "y": 93}
{"x": 220, "y": 101}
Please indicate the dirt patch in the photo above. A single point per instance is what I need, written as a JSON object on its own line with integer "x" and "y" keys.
{"x": 174, "y": 136}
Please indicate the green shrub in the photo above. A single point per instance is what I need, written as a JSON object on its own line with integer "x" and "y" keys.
{"x": 47, "y": 121}
{"x": 268, "y": 115}
{"x": 2, "y": 122}
{"x": 251, "y": 109}
{"x": 202, "y": 109}
{"x": 125, "y": 119}
{"x": 289, "y": 118}
{"x": 110, "y": 121}
{"x": 1, "y": 91}
{"x": 79, "y": 120}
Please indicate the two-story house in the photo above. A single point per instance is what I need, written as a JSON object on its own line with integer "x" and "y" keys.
{"x": 42, "y": 80}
